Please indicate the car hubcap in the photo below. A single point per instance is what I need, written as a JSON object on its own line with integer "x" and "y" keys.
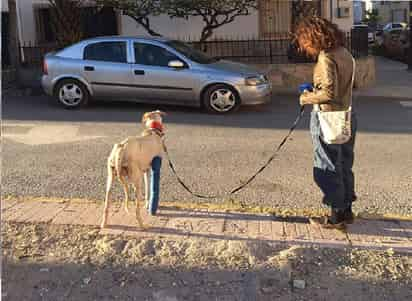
{"x": 222, "y": 100}
{"x": 71, "y": 95}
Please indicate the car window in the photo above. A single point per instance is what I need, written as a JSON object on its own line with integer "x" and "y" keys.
{"x": 396, "y": 26}
{"x": 106, "y": 51}
{"x": 191, "y": 53}
{"x": 152, "y": 55}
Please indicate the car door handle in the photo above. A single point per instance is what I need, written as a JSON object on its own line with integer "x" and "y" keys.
{"x": 139, "y": 72}
{"x": 89, "y": 68}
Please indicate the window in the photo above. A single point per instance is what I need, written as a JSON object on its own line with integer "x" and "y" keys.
{"x": 152, "y": 55}
{"x": 44, "y": 29}
{"x": 106, "y": 51}
{"x": 94, "y": 22}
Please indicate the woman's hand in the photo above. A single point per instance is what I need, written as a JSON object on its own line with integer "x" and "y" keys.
{"x": 303, "y": 99}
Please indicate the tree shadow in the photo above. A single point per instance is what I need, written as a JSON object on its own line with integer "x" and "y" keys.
{"x": 279, "y": 114}
{"x": 67, "y": 280}
{"x": 221, "y": 225}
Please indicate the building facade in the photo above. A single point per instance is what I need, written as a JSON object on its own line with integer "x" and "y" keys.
{"x": 271, "y": 17}
{"x": 390, "y": 11}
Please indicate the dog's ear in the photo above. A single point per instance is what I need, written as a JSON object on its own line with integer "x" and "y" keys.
{"x": 145, "y": 116}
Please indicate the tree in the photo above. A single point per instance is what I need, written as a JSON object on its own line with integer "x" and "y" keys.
{"x": 66, "y": 20}
{"x": 214, "y": 13}
{"x": 372, "y": 18}
{"x": 138, "y": 10}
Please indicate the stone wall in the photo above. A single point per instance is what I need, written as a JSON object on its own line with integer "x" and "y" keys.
{"x": 287, "y": 77}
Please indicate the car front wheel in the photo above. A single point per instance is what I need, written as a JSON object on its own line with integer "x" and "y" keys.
{"x": 220, "y": 99}
{"x": 71, "y": 94}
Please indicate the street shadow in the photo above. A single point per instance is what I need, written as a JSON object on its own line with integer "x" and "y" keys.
{"x": 68, "y": 280}
{"x": 279, "y": 114}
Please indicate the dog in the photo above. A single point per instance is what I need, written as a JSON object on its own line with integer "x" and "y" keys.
{"x": 130, "y": 161}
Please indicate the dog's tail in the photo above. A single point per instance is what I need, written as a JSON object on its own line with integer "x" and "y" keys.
{"x": 118, "y": 157}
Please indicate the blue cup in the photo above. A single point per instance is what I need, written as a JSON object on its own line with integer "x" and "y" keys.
{"x": 305, "y": 87}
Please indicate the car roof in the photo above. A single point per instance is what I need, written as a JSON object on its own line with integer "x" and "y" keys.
{"x": 148, "y": 38}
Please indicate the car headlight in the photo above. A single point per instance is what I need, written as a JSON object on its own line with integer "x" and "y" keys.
{"x": 256, "y": 80}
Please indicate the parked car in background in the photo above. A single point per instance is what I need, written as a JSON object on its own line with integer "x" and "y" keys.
{"x": 391, "y": 26}
{"x": 405, "y": 39}
{"x": 150, "y": 70}
{"x": 379, "y": 36}
{"x": 396, "y": 43}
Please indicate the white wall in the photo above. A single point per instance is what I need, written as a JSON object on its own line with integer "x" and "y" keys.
{"x": 28, "y": 24}
{"x": 4, "y": 5}
{"x": 344, "y": 24}
{"x": 243, "y": 26}
{"x": 358, "y": 11}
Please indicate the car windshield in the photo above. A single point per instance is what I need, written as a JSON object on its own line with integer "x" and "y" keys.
{"x": 191, "y": 53}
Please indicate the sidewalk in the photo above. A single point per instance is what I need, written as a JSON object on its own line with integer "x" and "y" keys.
{"x": 392, "y": 81}
{"x": 172, "y": 223}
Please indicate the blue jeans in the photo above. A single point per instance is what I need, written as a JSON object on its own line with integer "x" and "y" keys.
{"x": 332, "y": 169}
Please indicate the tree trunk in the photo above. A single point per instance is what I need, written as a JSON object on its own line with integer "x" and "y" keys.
{"x": 145, "y": 22}
{"x": 206, "y": 34}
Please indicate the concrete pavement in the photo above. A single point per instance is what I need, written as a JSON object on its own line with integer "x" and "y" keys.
{"x": 178, "y": 223}
{"x": 211, "y": 153}
{"x": 392, "y": 81}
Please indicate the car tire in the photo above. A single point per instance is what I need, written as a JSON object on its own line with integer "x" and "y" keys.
{"x": 71, "y": 94}
{"x": 221, "y": 99}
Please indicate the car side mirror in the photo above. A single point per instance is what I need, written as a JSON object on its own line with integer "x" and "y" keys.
{"x": 176, "y": 64}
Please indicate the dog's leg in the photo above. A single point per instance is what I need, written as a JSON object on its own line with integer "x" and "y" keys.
{"x": 110, "y": 175}
{"x": 122, "y": 180}
{"x": 138, "y": 186}
{"x": 146, "y": 189}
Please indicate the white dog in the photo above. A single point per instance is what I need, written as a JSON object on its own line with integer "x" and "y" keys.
{"x": 132, "y": 158}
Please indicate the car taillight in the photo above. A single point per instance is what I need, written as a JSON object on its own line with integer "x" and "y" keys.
{"x": 45, "y": 71}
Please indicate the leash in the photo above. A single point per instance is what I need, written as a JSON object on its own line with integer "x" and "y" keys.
{"x": 240, "y": 187}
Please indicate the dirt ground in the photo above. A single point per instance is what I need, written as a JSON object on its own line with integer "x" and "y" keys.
{"x": 49, "y": 262}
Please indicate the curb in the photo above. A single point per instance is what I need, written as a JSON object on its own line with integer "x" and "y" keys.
{"x": 231, "y": 206}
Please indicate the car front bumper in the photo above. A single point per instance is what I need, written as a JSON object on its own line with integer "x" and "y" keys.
{"x": 255, "y": 95}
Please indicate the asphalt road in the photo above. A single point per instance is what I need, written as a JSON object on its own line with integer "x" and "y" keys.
{"x": 53, "y": 152}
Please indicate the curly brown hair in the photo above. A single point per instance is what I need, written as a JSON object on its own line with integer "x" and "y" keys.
{"x": 314, "y": 34}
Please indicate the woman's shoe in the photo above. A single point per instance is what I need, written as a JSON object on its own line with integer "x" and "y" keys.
{"x": 335, "y": 221}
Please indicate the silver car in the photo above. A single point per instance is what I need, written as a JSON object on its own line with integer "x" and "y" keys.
{"x": 150, "y": 70}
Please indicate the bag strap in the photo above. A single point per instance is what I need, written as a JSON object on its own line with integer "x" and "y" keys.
{"x": 351, "y": 85}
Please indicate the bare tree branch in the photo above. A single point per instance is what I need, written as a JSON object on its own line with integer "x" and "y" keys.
{"x": 214, "y": 13}
{"x": 138, "y": 10}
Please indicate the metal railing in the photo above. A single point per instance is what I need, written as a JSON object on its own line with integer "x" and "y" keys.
{"x": 31, "y": 54}
{"x": 277, "y": 50}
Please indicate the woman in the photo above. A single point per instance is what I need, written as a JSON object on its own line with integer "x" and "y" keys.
{"x": 332, "y": 91}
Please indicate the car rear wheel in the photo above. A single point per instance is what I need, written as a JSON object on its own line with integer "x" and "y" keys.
{"x": 220, "y": 99}
{"x": 71, "y": 94}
